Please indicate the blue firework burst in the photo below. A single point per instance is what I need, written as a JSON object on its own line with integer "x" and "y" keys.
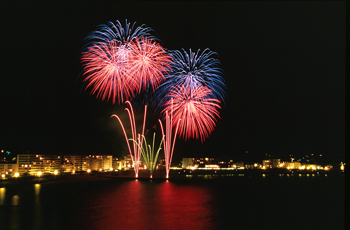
{"x": 116, "y": 32}
{"x": 191, "y": 70}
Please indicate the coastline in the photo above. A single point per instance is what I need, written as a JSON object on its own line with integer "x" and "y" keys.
{"x": 174, "y": 174}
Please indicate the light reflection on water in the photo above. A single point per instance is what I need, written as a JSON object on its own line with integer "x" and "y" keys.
{"x": 15, "y": 200}
{"x": 37, "y": 188}
{"x": 204, "y": 203}
{"x": 2, "y": 195}
{"x": 152, "y": 205}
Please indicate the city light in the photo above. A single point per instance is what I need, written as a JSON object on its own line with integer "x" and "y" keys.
{"x": 191, "y": 165}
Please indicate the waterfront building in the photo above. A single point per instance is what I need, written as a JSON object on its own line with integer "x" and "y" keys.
{"x": 51, "y": 164}
{"x": 206, "y": 162}
{"x": 30, "y": 164}
{"x": 33, "y": 164}
{"x": 266, "y": 164}
{"x": 116, "y": 163}
{"x": 187, "y": 162}
{"x": 126, "y": 162}
{"x": 293, "y": 165}
{"x": 76, "y": 163}
{"x": 107, "y": 162}
{"x": 8, "y": 168}
{"x": 100, "y": 162}
{"x": 23, "y": 163}
{"x": 275, "y": 163}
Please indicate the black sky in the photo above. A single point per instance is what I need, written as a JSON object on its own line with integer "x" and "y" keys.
{"x": 284, "y": 66}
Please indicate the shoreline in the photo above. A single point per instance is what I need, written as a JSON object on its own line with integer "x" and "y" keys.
{"x": 174, "y": 175}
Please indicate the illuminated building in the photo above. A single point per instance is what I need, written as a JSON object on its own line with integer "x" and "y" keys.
{"x": 107, "y": 162}
{"x": 116, "y": 164}
{"x": 100, "y": 162}
{"x": 275, "y": 163}
{"x": 24, "y": 162}
{"x": 126, "y": 162}
{"x": 187, "y": 162}
{"x": 52, "y": 163}
{"x": 8, "y": 168}
{"x": 293, "y": 165}
{"x": 32, "y": 164}
{"x": 75, "y": 163}
{"x": 212, "y": 166}
{"x": 205, "y": 162}
{"x": 266, "y": 164}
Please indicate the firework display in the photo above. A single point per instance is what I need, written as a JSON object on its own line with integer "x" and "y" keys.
{"x": 136, "y": 153}
{"x": 196, "y": 109}
{"x": 148, "y": 153}
{"x": 193, "y": 69}
{"x": 107, "y": 68}
{"x": 149, "y": 63}
{"x": 197, "y": 88}
{"x": 124, "y": 64}
{"x": 118, "y": 62}
{"x": 105, "y": 33}
{"x": 168, "y": 143}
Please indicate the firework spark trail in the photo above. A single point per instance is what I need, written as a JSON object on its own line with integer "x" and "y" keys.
{"x": 148, "y": 153}
{"x": 136, "y": 153}
{"x": 149, "y": 63}
{"x": 168, "y": 143}
{"x": 196, "y": 109}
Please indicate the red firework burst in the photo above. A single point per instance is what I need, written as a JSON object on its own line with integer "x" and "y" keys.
{"x": 149, "y": 63}
{"x": 108, "y": 72}
{"x": 196, "y": 110}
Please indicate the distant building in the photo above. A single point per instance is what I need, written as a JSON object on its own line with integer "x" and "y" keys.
{"x": 126, "y": 162}
{"x": 117, "y": 164}
{"x": 187, "y": 162}
{"x": 293, "y": 165}
{"x": 275, "y": 163}
{"x": 34, "y": 164}
{"x": 100, "y": 162}
{"x": 51, "y": 163}
{"x": 205, "y": 162}
{"x": 31, "y": 164}
{"x": 266, "y": 164}
{"x": 78, "y": 162}
{"x": 8, "y": 168}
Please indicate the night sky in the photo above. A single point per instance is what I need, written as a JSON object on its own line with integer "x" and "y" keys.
{"x": 284, "y": 66}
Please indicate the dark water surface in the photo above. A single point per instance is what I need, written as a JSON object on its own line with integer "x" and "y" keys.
{"x": 186, "y": 203}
